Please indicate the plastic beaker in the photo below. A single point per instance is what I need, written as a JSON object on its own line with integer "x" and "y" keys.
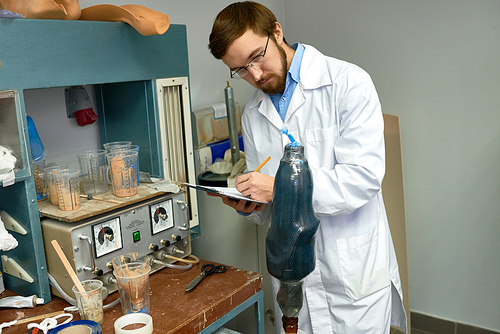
{"x": 90, "y": 302}
{"x": 123, "y": 172}
{"x": 108, "y": 146}
{"x": 134, "y": 148}
{"x": 50, "y": 181}
{"x": 68, "y": 188}
{"x": 93, "y": 171}
{"x": 132, "y": 274}
{"x": 41, "y": 187}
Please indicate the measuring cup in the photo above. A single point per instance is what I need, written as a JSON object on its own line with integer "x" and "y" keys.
{"x": 68, "y": 188}
{"x": 41, "y": 187}
{"x": 132, "y": 274}
{"x": 90, "y": 301}
{"x": 108, "y": 146}
{"x": 50, "y": 181}
{"x": 126, "y": 148}
{"x": 93, "y": 171}
{"x": 123, "y": 165}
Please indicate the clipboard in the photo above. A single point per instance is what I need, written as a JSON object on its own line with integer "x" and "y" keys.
{"x": 223, "y": 191}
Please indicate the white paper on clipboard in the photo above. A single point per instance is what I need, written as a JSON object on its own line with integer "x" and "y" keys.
{"x": 223, "y": 191}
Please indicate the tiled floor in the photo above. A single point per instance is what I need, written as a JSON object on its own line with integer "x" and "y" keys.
{"x": 431, "y": 325}
{"x": 459, "y": 329}
{"x": 413, "y": 331}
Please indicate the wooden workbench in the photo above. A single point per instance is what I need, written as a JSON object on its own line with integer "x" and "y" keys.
{"x": 216, "y": 300}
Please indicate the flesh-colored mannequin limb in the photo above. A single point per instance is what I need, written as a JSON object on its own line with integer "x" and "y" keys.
{"x": 36, "y": 9}
{"x": 146, "y": 21}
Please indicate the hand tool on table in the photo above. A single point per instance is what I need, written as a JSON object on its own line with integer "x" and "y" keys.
{"x": 206, "y": 270}
{"x": 90, "y": 197}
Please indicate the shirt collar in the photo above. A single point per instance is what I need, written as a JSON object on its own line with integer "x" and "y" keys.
{"x": 296, "y": 61}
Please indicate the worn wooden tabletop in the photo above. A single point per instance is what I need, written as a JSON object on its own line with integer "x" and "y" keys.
{"x": 173, "y": 310}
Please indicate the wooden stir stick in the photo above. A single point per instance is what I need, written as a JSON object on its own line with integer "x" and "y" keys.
{"x": 66, "y": 264}
{"x": 38, "y": 317}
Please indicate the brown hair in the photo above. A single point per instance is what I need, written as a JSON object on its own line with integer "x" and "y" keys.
{"x": 234, "y": 20}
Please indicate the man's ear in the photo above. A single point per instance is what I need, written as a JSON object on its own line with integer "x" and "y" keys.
{"x": 278, "y": 34}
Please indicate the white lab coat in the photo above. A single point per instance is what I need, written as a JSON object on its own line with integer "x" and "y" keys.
{"x": 335, "y": 113}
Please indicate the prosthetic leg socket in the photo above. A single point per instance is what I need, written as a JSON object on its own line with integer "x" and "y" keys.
{"x": 291, "y": 235}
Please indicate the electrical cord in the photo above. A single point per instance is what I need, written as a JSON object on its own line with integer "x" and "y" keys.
{"x": 113, "y": 303}
{"x": 194, "y": 261}
{"x": 174, "y": 266}
{"x": 56, "y": 285}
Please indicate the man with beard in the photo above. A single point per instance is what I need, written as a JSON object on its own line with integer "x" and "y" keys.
{"x": 332, "y": 108}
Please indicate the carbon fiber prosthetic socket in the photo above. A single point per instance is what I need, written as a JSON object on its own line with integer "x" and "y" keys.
{"x": 291, "y": 236}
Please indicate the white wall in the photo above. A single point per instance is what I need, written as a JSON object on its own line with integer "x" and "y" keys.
{"x": 436, "y": 65}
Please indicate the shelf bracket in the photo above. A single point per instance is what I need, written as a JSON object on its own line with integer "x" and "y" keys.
{"x": 11, "y": 267}
{"x": 11, "y": 224}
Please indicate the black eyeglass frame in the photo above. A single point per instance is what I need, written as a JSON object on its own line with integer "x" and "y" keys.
{"x": 234, "y": 74}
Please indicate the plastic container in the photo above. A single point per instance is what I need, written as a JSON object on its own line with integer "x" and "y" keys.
{"x": 38, "y": 173}
{"x": 134, "y": 148}
{"x": 108, "y": 146}
{"x": 50, "y": 180}
{"x": 132, "y": 274}
{"x": 90, "y": 302}
{"x": 68, "y": 189}
{"x": 93, "y": 171}
{"x": 123, "y": 165}
{"x": 35, "y": 141}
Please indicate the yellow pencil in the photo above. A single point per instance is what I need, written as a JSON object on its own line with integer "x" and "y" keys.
{"x": 262, "y": 164}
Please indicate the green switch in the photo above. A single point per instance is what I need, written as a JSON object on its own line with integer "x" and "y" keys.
{"x": 137, "y": 236}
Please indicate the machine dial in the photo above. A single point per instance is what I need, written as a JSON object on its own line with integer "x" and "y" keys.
{"x": 160, "y": 213}
{"x": 107, "y": 237}
{"x": 161, "y": 216}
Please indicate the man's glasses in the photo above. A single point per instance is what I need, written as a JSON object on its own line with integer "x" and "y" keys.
{"x": 257, "y": 61}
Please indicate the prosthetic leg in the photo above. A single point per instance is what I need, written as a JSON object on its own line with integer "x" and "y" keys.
{"x": 292, "y": 234}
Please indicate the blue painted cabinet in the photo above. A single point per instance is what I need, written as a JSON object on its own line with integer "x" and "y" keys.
{"x": 123, "y": 67}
